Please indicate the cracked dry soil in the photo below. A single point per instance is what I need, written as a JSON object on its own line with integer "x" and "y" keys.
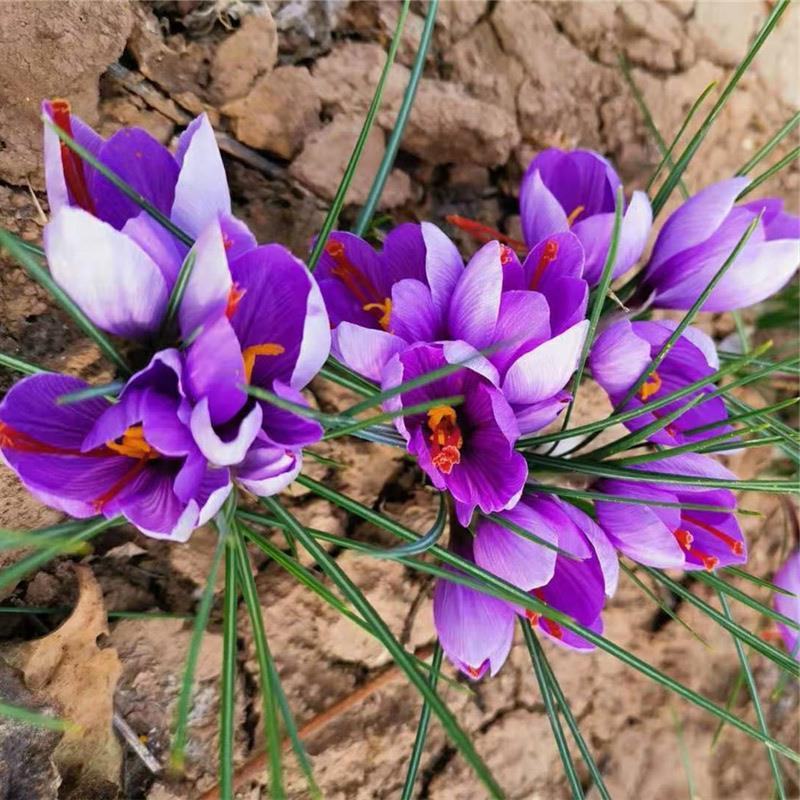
{"x": 286, "y": 83}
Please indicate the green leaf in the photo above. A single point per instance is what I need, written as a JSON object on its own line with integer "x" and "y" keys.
{"x": 33, "y": 718}
{"x": 424, "y": 543}
{"x": 29, "y": 263}
{"x": 350, "y": 591}
{"x": 266, "y": 671}
{"x": 227, "y": 696}
{"x": 773, "y": 142}
{"x": 422, "y": 727}
{"x": 535, "y": 651}
{"x": 686, "y": 156}
{"x": 178, "y": 290}
{"x": 125, "y": 188}
{"x": 392, "y": 145}
{"x": 108, "y": 390}
{"x": 753, "y": 689}
{"x": 764, "y": 584}
{"x": 731, "y": 419}
{"x": 181, "y": 722}
{"x": 18, "y": 365}
{"x": 793, "y": 155}
{"x": 338, "y": 201}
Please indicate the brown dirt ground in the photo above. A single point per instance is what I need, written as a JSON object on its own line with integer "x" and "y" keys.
{"x": 286, "y": 83}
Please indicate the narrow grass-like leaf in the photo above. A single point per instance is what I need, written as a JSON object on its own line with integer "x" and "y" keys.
{"x": 393, "y": 144}
{"x": 770, "y": 145}
{"x": 181, "y": 723}
{"x": 19, "y": 570}
{"x": 535, "y": 652}
{"x": 777, "y": 657}
{"x": 31, "y": 265}
{"x": 33, "y": 718}
{"x": 572, "y": 723}
{"x": 424, "y": 543}
{"x": 106, "y": 390}
{"x": 753, "y": 689}
{"x": 269, "y": 704}
{"x": 793, "y": 155}
{"x": 227, "y": 695}
{"x": 660, "y": 603}
{"x": 686, "y": 156}
{"x": 124, "y": 187}
{"x": 597, "y": 305}
{"x": 666, "y": 152}
{"x": 178, "y": 290}
{"x": 347, "y": 381}
{"x": 422, "y": 727}
{"x": 469, "y": 574}
{"x": 350, "y": 591}
{"x": 18, "y": 365}
{"x": 756, "y": 412}
{"x": 738, "y": 572}
{"x": 338, "y": 200}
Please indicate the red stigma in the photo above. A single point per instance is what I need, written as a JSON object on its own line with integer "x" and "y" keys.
{"x": 100, "y": 502}
{"x": 71, "y": 162}
{"x": 506, "y": 254}
{"x": 11, "y": 439}
{"x": 736, "y": 547}
{"x": 548, "y": 256}
{"x": 235, "y": 295}
{"x": 553, "y": 628}
{"x": 483, "y": 233}
{"x": 686, "y": 540}
{"x": 446, "y": 439}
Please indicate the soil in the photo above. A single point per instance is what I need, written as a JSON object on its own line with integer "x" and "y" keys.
{"x": 285, "y": 83}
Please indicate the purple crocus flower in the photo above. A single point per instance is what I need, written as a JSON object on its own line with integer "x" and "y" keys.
{"x": 625, "y": 349}
{"x": 664, "y": 536}
{"x": 788, "y": 577}
{"x": 701, "y": 234}
{"x": 116, "y": 262}
{"x": 476, "y": 630}
{"x": 136, "y": 457}
{"x": 575, "y": 190}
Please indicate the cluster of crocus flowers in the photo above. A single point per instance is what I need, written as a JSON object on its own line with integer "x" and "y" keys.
{"x": 168, "y": 450}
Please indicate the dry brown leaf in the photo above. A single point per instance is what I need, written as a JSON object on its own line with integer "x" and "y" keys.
{"x": 68, "y": 669}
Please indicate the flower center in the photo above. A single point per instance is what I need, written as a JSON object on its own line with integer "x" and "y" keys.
{"x": 249, "y": 355}
{"x": 446, "y": 439}
{"x": 71, "y": 162}
{"x": 650, "y": 386}
{"x": 574, "y": 214}
{"x": 548, "y": 256}
{"x": 132, "y": 444}
{"x": 483, "y": 233}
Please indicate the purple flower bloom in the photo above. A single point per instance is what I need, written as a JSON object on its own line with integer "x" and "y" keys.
{"x": 788, "y": 577}
{"x": 575, "y": 190}
{"x": 699, "y": 236}
{"x": 116, "y": 262}
{"x": 665, "y": 536}
{"x": 476, "y": 630}
{"x": 136, "y": 457}
{"x": 622, "y": 353}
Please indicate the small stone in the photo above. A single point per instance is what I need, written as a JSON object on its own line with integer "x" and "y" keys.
{"x": 250, "y": 51}
{"x": 280, "y": 111}
{"x": 446, "y": 125}
{"x": 322, "y": 162}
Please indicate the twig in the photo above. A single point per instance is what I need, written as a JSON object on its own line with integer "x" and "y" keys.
{"x": 135, "y": 743}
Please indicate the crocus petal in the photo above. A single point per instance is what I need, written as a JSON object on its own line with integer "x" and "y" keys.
{"x": 788, "y": 578}
{"x": 635, "y": 229}
{"x": 237, "y": 237}
{"x": 208, "y": 288}
{"x": 567, "y": 298}
{"x": 473, "y": 627}
{"x": 522, "y": 323}
{"x": 568, "y": 261}
{"x": 365, "y": 350}
{"x": 158, "y": 243}
{"x": 268, "y": 470}
{"x": 542, "y": 372}
{"x": 443, "y": 265}
{"x": 476, "y": 298}
{"x": 114, "y": 281}
{"x": 144, "y": 164}
{"x": 414, "y": 317}
{"x": 403, "y": 253}
{"x": 201, "y": 191}
{"x": 534, "y": 416}
{"x": 618, "y": 357}
{"x": 540, "y": 213}
{"x": 694, "y": 220}
{"x": 604, "y": 550}
{"x": 237, "y": 439}
{"x": 285, "y": 428}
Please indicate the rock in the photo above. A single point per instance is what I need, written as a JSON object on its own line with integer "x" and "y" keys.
{"x": 480, "y": 65}
{"x": 51, "y": 48}
{"x": 124, "y": 111}
{"x": 456, "y": 18}
{"x": 280, "y": 111}
{"x": 388, "y": 14}
{"x": 249, "y": 52}
{"x": 724, "y": 38}
{"x": 447, "y": 125}
{"x": 322, "y": 162}
{"x": 779, "y": 58}
{"x": 346, "y": 79}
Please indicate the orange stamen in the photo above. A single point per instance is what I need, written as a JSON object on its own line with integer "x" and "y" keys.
{"x": 235, "y": 295}
{"x": 650, "y": 386}
{"x": 74, "y": 175}
{"x": 548, "y": 256}
{"x": 483, "y": 233}
{"x": 133, "y": 444}
{"x": 445, "y": 438}
{"x": 384, "y": 312}
{"x": 249, "y": 355}
{"x": 576, "y": 212}
{"x": 737, "y": 548}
